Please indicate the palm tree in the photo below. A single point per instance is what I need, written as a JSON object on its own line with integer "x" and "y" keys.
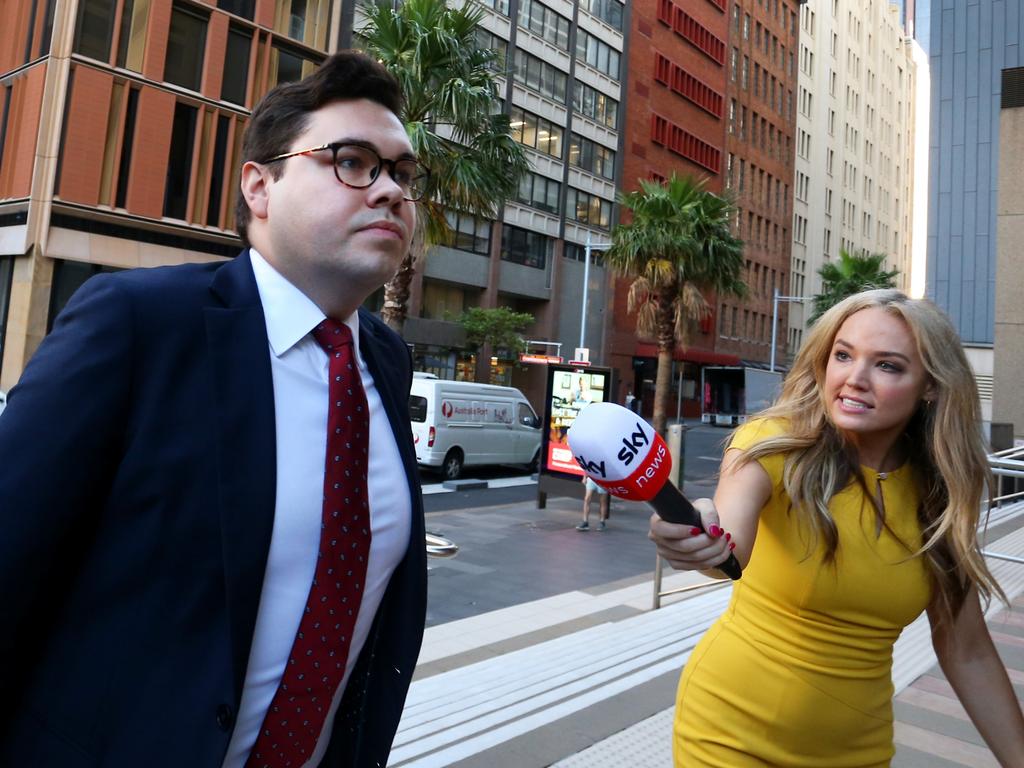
{"x": 850, "y": 275}
{"x": 451, "y": 95}
{"x": 678, "y": 244}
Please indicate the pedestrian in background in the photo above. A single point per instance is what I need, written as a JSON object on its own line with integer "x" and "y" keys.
{"x": 604, "y": 505}
{"x": 211, "y": 528}
{"x": 853, "y": 505}
{"x": 630, "y": 401}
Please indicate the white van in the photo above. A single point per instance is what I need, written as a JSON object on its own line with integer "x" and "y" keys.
{"x": 461, "y": 423}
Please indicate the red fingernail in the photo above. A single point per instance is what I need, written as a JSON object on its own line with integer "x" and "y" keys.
{"x": 715, "y": 531}
{"x": 732, "y": 546}
{"x": 695, "y": 531}
{"x": 728, "y": 536}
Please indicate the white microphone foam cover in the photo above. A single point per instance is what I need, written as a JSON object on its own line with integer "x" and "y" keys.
{"x": 609, "y": 441}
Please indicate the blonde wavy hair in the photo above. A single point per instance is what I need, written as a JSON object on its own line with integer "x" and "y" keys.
{"x": 949, "y": 458}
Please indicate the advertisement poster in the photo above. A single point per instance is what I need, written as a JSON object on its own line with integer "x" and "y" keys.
{"x": 570, "y": 390}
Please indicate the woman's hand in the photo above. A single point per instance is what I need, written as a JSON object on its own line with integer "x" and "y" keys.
{"x": 688, "y": 548}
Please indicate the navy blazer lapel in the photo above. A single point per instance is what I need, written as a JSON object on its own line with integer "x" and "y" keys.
{"x": 236, "y": 335}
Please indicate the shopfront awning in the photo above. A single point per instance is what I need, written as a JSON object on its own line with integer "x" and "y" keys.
{"x": 690, "y": 355}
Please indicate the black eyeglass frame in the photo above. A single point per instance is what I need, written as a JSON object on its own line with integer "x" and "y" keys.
{"x": 382, "y": 162}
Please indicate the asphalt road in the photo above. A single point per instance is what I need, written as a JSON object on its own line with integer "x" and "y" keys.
{"x": 703, "y": 452}
{"x": 511, "y": 552}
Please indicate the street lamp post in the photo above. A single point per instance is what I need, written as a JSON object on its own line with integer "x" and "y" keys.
{"x": 586, "y": 285}
{"x": 776, "y": 298}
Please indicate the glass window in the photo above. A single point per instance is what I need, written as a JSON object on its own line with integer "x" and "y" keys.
{"x": 131, "y": 44}
{"x": 608, "y": 11}
{"x": 521, "y": 246}
{"x": 588, "y": 209}
{"x": 595, "y": 105}
{"x": 469, "y": 233}
{"x": 179, "y": 164}
{"x": 540, "y": 76}
{"x": 236, "y": 66}
{"x": 593, "y": 157}
{"x": 243, "y": 8}
{"x": 303, "y": 20}
{"x": 185, "y": 44}
{"x": 549, "y": 138}
{"x": 95, "y": 28}
{"x": 218, "y": 169}
{"x": 536, "y": 132}
{"x": 6, "y": 280}
{"x": 544, "y": 22}
{"x": 539, "y": 192}
{"x": 44, "y": 42}
{"x": 288, "y": 65}
{"x": 488, "y": 41}
{"x": 127, "y": 142}
{"x": 578, "y": 252}
{"x": 501, "y": 6}
{"x": 417, "y": 409}
{"x": 442, "y": 301}
{"x": 597, "y": 54}
{"x": 68, "y": 277}
{"x": 7, "y": 90}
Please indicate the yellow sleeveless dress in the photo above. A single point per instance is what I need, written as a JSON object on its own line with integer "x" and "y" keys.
{"x": 797, "y": 671}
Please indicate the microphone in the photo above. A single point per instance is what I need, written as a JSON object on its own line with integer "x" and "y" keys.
{"x": 624, "y": 455}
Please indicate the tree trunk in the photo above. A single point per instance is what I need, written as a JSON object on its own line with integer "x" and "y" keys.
{"x": 396, "y": 290}
{"x": 666, "y": 348}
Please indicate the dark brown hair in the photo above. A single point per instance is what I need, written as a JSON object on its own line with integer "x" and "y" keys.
{"x": 284, "y": 112}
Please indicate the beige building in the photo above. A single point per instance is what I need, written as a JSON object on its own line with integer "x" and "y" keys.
{"x": 853, "y": 182}
{"x": 1007, "y": 393}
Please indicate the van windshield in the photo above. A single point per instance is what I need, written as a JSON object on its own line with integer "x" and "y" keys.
{"x": 417, "y": 408}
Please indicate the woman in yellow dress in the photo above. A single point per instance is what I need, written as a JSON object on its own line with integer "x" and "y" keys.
{"x": 853, "y": 505}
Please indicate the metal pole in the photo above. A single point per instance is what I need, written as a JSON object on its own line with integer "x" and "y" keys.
{"x": 679, "y": 396}
{"x": 775, "y": 326}
{"x": 586, "y": 287}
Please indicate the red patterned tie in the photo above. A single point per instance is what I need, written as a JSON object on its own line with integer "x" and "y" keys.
{"x": 316, "y": 664}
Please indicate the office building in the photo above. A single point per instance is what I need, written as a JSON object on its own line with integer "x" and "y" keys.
{"x": 761, "y": 144}
{"x": 854, "y": 182}
{"x": 121, "y": 129}
{"x": 120, "y": 136}
{"x": 969, "y": 47}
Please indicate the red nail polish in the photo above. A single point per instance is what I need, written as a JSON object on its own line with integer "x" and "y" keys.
{"x": 695, "y": 531}
{"x": 715, "y": 531}
{"x": 732, "y": 546}
{"x": 728, "y": 537}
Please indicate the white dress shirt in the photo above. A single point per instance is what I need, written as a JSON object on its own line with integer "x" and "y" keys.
{"x": 300, "y": 372}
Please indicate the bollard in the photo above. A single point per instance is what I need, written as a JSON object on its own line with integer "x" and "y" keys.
{"x": 676, "y": 439}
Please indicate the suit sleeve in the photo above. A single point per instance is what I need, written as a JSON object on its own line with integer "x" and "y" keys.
{"x": 60, "y": 437}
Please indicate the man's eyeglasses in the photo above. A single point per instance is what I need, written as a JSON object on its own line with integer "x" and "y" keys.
{"x": 358, "y": 167}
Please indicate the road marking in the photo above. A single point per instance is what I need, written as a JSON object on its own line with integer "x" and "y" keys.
{"x": 501, "y": 482}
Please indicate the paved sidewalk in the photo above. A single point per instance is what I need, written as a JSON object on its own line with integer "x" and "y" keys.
{"x": 587, "y": 678}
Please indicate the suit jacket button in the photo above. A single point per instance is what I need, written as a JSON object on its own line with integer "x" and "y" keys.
{"x": 225, "y": 717}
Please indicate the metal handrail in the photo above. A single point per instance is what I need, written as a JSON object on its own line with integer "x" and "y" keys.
{"x": 659, "y": 593}
{"x": 1006, "y": 463}
{"x": 1000, "y": 556}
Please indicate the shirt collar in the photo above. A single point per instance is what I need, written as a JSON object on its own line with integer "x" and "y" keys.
{"x": 290, "y": 314}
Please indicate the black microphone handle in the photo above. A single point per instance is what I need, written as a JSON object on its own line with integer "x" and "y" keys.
{"x": 673, "y": 507}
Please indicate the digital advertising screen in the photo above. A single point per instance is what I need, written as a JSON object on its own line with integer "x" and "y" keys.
{"x": 569, "y": 390}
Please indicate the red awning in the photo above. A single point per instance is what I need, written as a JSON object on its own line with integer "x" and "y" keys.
{"x": 691, "y": 355}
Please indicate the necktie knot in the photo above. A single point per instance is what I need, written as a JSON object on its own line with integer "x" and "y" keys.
{"x": 332, "y": 334}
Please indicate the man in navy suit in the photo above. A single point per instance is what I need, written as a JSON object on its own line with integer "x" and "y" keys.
{"x": 163, "y": 492}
